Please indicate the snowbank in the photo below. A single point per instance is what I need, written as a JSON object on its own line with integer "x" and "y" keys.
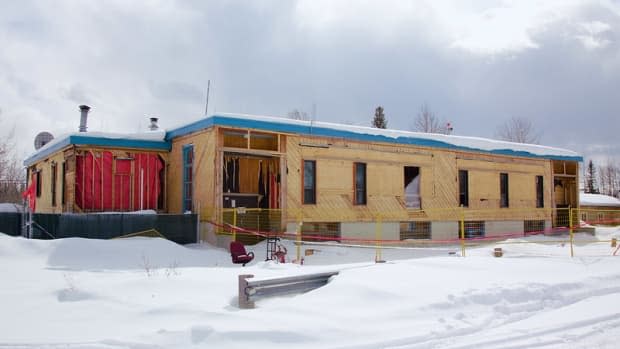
{"x": 145, "y": 292}
{"x": 598, "y": 200}
{"x": 11, "y": 208}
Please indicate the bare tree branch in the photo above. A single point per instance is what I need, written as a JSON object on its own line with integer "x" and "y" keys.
{"x": 296, "y": 114}
{"x": 12, "y": 175}
{"x": 426, "y": 121}
{"x": 519, "y": 130}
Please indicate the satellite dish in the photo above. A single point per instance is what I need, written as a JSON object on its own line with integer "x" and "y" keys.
{"x": 42, "y": 139}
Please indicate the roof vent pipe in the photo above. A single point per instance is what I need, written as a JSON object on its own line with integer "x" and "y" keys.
{"x": 83, "y": 117}
{"x": 153, "y": 126}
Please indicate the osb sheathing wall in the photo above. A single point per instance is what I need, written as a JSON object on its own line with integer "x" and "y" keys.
{"x": 484, "y": 186}
{"x": 385, "y": 181}
{"x": 204, "y": 143}
{"x": 44, "y": 202}
{"x": 70, "y": 173}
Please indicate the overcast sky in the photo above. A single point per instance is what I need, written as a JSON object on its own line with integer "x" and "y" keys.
{"x": 475, "y": 63}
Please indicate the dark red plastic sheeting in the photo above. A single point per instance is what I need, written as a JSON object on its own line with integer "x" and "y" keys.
{"x": 108, "y": 183}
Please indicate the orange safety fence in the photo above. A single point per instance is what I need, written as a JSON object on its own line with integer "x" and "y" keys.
{"x": 558, "y": 225}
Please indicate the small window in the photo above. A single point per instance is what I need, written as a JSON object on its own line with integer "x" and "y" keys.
{"x": 533, "y": 227}
{"x": 37, "y": 177}
{"x": 309, "y": 180}
{"x": 188, "y": 168}
{"x": 360, "y": 183}
{"x": 62, "y": 183}
{"x": 540, "y": 198}
{"x": 235, "y": 138}
{"x": 503, "y": 189}
{"x": 463, "y": 188}
{"x": 571, "y": 167}
{"x": 263, "y": 141}
{"x": 412, "y": 187}
{"x": 474, "y": 229}
{"x": 53, "y": 186}
{"x": 415, "y": 230}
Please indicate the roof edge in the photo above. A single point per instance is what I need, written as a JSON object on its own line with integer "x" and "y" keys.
{"x": 97, "y": 141}
{"x": 311, "y": 130}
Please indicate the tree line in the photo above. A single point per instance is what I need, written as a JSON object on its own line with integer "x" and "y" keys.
{"x": 515, "y": 129}
{"x": 602, "y": 179}
{"x": 12, "y": 174}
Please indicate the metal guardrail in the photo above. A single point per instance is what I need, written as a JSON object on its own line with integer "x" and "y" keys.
{"x": 250, "y": 290}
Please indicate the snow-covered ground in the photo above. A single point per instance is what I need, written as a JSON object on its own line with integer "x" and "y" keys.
{"x": 151, "y": 293}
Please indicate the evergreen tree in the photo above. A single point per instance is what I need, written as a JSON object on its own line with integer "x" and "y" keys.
{"x": 590, "y": 180}
{"x": 379, "y": 120}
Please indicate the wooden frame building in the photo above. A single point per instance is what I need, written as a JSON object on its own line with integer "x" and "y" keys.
{"x": 340, "y": 179}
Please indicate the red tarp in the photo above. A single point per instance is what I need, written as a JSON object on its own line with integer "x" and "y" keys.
{"x": 132, "y": 182}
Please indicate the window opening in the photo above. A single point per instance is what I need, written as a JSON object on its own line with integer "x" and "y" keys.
{"x": 463, "y": 188}
{"x": 250, "y": 140}
{"x": 263, "y": 141}
{"x": 412, "y": 187}
{"x": 188, "y": 169}
{"x": 503, "y": 189}
{"x": 309, "y": 180}
{"x": 360, "y": 183}
{"x": 38, "y": 179}
{"x": 540, "y": 198}
{"x": 235, "y": 139}
{"x": 62, "y": 181}
{"x": 53, "y": 186}
{"x": 251, "y": 181}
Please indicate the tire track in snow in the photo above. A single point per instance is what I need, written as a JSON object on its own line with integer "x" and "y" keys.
{"x": 502, "y": 307}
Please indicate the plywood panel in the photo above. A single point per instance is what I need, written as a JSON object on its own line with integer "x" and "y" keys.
{"x": 483, "y": 189}
{"x": 204, "y": 143}
{"x": 522, "y": 190}
{"x": 44, "y": 201}
{"x": 174, "y": 174}
{"x": 204, "y": 171}
{"x": 441, "y": 185}
{"x": 293, "y": 175}
{"x": 385, "y": 180}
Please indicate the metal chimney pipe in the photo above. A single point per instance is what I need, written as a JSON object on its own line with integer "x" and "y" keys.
{"x": 154, "y": 126}
{"x": 83, "y": 117}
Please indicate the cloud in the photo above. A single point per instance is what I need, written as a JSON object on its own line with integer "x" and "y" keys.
{"x": 475, "y": 63}
{"x": 592, "y": 34}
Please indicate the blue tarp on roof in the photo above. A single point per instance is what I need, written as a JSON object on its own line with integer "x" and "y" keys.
{"x": 357, "y": 133}
{"x": 59, "y": 144}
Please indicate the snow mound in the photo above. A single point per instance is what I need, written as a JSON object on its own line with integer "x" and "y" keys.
{"x": 130, "y": 253}
{"x": 10, "y": 208}
{"x": 598, "y": 200}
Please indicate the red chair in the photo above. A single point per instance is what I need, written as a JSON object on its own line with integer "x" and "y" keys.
{"x": 238, "y": 253}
